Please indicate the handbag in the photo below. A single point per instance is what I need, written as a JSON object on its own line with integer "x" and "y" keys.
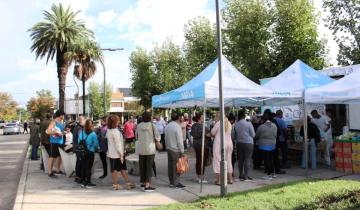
{"x": 182, "y": 165}
{"x": 158, "y": 145}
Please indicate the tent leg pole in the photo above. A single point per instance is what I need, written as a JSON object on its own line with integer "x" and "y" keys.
{"x": 202, "y": 149}
{"x": 306, "y": 148}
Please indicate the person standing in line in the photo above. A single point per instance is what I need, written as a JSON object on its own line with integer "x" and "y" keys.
{"x": 266, "y": 139}
{"x": 68, "y": 146}
{"x": 232, "y": 120}
{"x": 147, "y": 136}
{"x": 116, "y": 153}
{"x": 129, "y": 130}
{"x": 56, "y": 132}
{"x": 282, "y": 138}
{"x": 89, "y": 136}
{"x": 197, "y": 134}
{"x": 79, "y": 127}
{"x": 188, "y": 124}
{"x": 215, "y": 131}
{"x": 183, "y": 125}
{"x": 26, "y": 127}
{"x": 323, "y": 124}
{"x": 276, "y": 151}
{"x": 44, "y": 137}
{"x": 243, "y": 134}
{"x": 160, "y": 126}
{"x": 35, "y": 139}
{"x": 175, "y": 148}
{"x": 314, "y": 137}
{"x": 101, "y": 134}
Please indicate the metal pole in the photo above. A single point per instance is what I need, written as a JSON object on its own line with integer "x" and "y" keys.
{"x": 104, "y": 89}
{"x": 305, "y": 134}
{"x": 202, "y": 148}
{"x": 223, "y": 168}
{"x": 77, "y": 99}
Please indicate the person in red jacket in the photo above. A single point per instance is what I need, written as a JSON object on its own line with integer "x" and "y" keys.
{"x": 129, "y": 130}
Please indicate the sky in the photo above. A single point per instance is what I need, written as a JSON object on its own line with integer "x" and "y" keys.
{"x": 116, "y": 23}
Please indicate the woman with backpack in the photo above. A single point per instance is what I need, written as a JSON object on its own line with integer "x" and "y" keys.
{"x": 116, "y": 153}
{"x": 88, "y": 140}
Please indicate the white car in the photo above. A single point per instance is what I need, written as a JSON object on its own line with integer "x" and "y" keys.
{"x": 11, "y": 128}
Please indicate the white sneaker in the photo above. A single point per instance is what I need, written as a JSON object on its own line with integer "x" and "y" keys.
{"x": 273, "y": 176}
{"x": 204, "y": 181}
{"x": 268, "y": 177}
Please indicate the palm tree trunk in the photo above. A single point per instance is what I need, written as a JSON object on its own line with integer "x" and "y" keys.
{"x": 62, "y": 69}
{"x": 83, "y": 86}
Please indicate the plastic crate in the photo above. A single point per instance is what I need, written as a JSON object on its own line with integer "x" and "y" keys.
{"x": 356, "y": 167}
{"x": 347, "y": 148}
{"x": 356, "y": 156}
{"x": 338, "y": 147}
{"x": 339, "y": 166}
{"x": 356, "y": 147}
{"x": 348, "y": 167}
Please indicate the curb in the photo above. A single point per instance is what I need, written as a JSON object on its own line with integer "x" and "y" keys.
{"x": 18, "y": 205}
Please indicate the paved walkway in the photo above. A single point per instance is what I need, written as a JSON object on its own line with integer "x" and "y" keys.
{"x": 38, "y": 192}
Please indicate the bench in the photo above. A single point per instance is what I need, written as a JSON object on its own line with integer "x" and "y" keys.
{"x": 132, "y": 163}
{"x": 68, "y": 161}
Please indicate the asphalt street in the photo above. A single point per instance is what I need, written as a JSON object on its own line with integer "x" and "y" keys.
{"x": 12, "y": 154}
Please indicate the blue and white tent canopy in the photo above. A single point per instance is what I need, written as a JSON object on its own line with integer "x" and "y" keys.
{"x": 343, "y": 91}
{"x": 293, "y": 81}
{"x": 204, "y": 90}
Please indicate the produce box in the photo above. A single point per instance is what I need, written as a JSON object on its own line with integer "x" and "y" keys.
{"x": 356, "y": 167}
{"x": 356, "y": 147}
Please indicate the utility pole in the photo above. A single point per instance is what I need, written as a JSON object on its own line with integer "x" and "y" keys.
{"x": 223, "y": 168}
{"x": 104, "y": 82}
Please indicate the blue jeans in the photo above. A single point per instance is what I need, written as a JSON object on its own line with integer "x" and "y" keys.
{"x": 312, "y": 155}
{"x": 34, "y": 150}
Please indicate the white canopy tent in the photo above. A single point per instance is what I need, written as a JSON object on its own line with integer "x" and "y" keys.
{"x": 292, "y": 83}
{"x": 343, "y": 91}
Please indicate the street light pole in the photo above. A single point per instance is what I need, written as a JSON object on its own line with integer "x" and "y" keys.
{"x": 223, "y": 168}
{"x": 104, "y": 71}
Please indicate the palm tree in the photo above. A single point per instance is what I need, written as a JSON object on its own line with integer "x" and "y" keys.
{"x": 85, "y": 53}
{"x": 54, "y": 36}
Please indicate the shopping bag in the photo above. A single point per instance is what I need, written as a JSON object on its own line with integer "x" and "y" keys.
{"x": 182, "y": 165}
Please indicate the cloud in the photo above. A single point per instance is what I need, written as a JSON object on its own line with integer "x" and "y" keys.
{"x": 106, "y": 17}
{"x": 150, "y": 22}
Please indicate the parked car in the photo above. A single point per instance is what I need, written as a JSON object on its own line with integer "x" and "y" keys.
{"x": 2, "y": 124}
{"x": 11, "y": 128}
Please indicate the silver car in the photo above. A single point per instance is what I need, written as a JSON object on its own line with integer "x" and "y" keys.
{"x": 11, "y": 128}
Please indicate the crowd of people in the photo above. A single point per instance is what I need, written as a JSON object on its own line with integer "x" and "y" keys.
{"x": 258, "y": 142}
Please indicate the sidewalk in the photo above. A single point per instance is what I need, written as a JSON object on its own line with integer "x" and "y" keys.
{"x": 38, "y": 192}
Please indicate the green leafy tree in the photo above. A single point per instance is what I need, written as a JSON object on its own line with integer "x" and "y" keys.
{"x": 142, "y": 76}
{"x": 41, "y": 105}
{"x": 345, "y": 23}
{"x": 295, "y": 35}
{"x": 23, "y": 114}
{"x": 7, "y": 107}
{"x": 84, "y": 53}
{"x": 200, "y": 45}
{"x": 53, "y": 37}
{"x": 96, "y": 99}
{"x": 169, "y": 67}
{"x": 247, "y": 35}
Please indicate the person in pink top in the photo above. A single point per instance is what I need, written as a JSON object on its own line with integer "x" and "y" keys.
{"x": 215, "y": 131}
{"x": 129, "y": 130}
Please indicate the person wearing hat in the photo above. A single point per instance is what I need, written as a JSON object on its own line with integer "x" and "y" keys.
{"x": 35, "y": 139}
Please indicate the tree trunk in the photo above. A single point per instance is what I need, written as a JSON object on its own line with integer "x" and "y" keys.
{"x": 84, "y": 100}
{"x": 62, "y": 69}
